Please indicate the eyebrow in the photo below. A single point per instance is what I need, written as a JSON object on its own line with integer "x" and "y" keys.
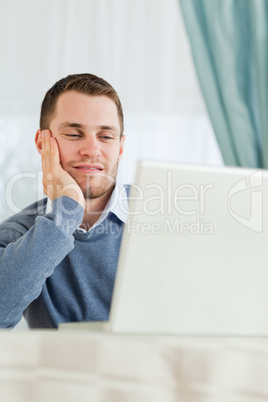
{"x": 82, "y": 126}
{"x": 73, "y": 125}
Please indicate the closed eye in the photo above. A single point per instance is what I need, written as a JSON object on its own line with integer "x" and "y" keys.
{"x": 106, "y": 137}
{"x": 72, "y": 135}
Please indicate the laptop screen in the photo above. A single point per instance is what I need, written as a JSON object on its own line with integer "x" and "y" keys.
{"x": 193, "y": 259}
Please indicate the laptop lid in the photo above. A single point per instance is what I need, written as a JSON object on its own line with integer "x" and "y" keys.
{"x": 194, "y": 255}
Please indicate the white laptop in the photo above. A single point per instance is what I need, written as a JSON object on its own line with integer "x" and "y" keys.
{"x": 194, "y": 254}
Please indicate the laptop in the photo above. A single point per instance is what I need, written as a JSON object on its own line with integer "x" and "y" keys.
{"x": 194, "y": 254}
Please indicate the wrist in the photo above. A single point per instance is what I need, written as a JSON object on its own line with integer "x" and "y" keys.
{"x": 76, "y": 195}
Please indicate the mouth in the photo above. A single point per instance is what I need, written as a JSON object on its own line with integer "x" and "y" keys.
{"x": 88, "y": 169}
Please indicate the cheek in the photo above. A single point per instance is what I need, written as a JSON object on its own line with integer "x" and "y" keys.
{"x": 67, "y": 151}
{"x": 113, "y": 152}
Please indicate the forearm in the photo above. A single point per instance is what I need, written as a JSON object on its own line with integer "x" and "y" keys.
{"x": 27, "y": 262}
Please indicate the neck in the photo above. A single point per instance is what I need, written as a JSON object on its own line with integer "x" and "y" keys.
{"x": 94, "y": 208}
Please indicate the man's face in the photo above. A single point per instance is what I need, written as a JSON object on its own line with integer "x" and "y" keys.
{"x": 87, "y": 130}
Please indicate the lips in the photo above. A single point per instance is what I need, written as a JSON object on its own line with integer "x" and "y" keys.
{"x": 88, "y": 168}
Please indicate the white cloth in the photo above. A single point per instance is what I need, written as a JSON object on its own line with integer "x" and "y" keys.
{"x": 41, "y": 366}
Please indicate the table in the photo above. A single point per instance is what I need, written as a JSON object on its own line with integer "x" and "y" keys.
{"x": 47, "y": 366}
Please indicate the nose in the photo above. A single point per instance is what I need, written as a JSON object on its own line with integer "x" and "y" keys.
{"x": 90, "y": 147}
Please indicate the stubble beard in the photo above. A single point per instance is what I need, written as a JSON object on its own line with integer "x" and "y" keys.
{"x": 98, "y": 184}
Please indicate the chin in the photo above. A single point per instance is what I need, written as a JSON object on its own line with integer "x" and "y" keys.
{"x": 93, "y": 191}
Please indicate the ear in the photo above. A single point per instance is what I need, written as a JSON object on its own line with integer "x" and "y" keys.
{"x": 38, "y": 141}
{"x": 122, "y": 141}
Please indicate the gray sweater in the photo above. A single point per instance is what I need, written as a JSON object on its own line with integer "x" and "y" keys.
{"x": 51, "y": 272}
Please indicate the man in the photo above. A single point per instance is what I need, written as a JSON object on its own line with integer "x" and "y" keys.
{"x": 58, "y": 259}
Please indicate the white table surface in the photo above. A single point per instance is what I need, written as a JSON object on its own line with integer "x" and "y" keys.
{"x": 47, "y": 366}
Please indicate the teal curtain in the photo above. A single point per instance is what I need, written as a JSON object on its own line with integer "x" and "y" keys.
{"x": 229, "y": 42}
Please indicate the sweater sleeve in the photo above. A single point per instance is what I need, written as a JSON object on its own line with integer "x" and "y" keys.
{"x": 28, "y": 256}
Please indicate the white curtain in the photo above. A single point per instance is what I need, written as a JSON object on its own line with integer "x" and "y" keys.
{"x": 139, "y": 46}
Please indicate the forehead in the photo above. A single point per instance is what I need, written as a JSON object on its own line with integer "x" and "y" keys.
{"x": 85, "y": 109}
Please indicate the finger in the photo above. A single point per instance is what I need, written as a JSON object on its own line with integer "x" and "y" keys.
{"x": 47, "y": 139}
{"x": 54, "y": 153}
{"x": 43, "y": 153}
{"x": 44, "y": 162}
{"x": 47, "y": 166}
{"x": 46, "y": 155}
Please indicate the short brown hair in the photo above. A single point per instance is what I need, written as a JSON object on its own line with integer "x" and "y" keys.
{"x": 85, "y": 83}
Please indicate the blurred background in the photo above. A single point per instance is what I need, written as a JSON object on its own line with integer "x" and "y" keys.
{"x": 139, "y": 46}
{"x": 191, "y": 75}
